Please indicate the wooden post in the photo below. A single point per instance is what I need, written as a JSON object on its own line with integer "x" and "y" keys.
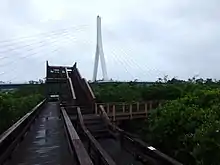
{"x": 137, "y": 106}
{"x": 113, "y": 113}
{"x": 145, "y": 107}
{"x": 96, "y": 108}
{"x": 130, "y": 111}
{"x": 123, "y": 107}
{"x": 150, "y": 105}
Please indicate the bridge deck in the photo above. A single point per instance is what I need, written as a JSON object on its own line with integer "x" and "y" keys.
{"x": 45, "y": 143}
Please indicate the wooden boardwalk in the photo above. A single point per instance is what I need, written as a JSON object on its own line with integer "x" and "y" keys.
{"x": 45, "y": 143}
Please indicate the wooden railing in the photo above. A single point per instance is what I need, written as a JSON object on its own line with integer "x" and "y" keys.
{"x": 84, "y": 85}
{"x": 96, "y": 152}
{"x": 136, "y": 146}
{"x": 127, "y": 110}
{"x": 77, "y": 149}
{"x": 88, "y": 88}
{"x": 12, "y": 137}
{"x": 70, "y": 85}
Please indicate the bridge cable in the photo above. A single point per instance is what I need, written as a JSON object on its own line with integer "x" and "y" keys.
{"x": 28, "y": 45}
{"x": 132, "y": 62}
{"x": 19, "y": 39}
{"x": 126, "y": 62}
{"x": 23, "y": 57}
{"x": 144, "y": 67}
{"x": 44, "y": 61}
{"x": 118, "y": 59}
{"x": 28, "y": 57}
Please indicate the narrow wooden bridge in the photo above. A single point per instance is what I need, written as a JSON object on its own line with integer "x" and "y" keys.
{"x": 75, "y": 129}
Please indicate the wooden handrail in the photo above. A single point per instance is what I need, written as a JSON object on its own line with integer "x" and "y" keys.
{"x": 76, "y": 146}
{"x": 82, "y": 83}
{"x": 71, "y": 89}
{"x": 104, "y": 114}
{"x": 90, "y": 90}
{"x": 11, "y": 137}
{"x": 105, "y": 159}
{"x": 128, "y": 103}
{"x": 70, "y": 84}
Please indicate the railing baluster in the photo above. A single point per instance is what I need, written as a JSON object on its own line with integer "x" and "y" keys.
{"x": 113, "y": 106}
{"x": 130, "y": 111}
{"x": 145, "y": 107}
{"x": 138, "y": 106}
{"x": 96, "y": 108}
{"x": 123, "y": 107}
{"x": 150, "y": 107}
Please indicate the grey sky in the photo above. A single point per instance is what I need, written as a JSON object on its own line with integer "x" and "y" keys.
{"x": 143, "y": 39}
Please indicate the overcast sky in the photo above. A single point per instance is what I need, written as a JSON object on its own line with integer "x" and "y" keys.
{"x": 142, "y": 39}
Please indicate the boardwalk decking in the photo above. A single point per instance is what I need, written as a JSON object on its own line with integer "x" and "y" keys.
{"x": 45, "y": 143}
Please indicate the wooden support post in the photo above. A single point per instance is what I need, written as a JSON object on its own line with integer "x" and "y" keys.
{"x": 96, "y": 108}
{"x": 150, "y": 107}
{"x": 145, "y": 107}
{"x": 113, "y": 113}
{"x": 138, "y": 106}
{"x": 130, "y": 111}
{"x": 123, "y": 107}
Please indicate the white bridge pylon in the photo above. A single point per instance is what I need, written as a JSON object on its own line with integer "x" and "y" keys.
{"x": 99, "y": 53}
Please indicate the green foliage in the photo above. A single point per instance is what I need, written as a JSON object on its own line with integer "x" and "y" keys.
{"x": 117, "y": 92}
{"x": 30, "y": 89}
{"x": 161, "y": 92}
{"x": 14, "y": 105}
{"x": 187, "y": 128}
